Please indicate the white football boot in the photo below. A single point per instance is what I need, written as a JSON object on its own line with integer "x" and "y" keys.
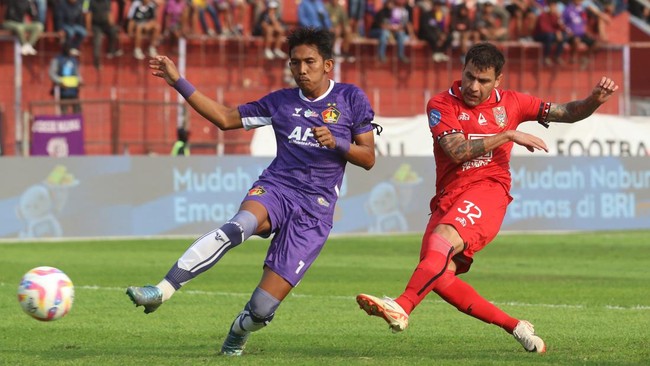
{"x": 385, "y": 308}
{"x": 524, "y": 333}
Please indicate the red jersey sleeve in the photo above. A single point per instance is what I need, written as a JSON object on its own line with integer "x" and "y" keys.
{"x": 442, "y": 117}
{"x": 532, "y": 108}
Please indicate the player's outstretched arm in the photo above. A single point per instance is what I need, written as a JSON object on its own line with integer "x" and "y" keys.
{"x": 225, "y": 118}
{"x": 459, "y": 149}
{"x": 577, "y": 110}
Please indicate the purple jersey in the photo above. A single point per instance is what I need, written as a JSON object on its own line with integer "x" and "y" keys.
{"x": 575, "y": 18}
{"x": 310, "y": 174}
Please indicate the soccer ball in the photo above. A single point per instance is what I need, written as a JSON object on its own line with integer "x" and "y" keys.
{"x": 46, "y": 293}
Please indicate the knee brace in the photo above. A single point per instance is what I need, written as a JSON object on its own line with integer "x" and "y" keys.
{"x": 257, "y": 314}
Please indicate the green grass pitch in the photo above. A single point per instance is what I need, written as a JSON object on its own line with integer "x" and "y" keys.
{"x": 586, "y": 293}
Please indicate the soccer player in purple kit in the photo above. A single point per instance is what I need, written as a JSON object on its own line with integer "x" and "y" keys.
{"x": 319, "y": 127}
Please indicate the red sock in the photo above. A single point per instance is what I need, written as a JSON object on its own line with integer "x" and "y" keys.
{"x": 458, "y": 293}
{"x": 435, "y": 256}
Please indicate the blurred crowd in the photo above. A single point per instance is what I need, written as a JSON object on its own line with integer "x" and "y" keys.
{"x": 576, "y": 27}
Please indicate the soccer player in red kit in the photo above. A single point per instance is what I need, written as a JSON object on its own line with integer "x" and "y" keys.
{"x": 474, "y": 126}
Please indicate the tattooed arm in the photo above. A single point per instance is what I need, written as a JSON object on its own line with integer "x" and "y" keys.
{"x": 461, "y": 150}
{"x": 580, "y": 109}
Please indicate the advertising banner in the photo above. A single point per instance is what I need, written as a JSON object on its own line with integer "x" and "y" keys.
{"x": 153, "y": 196}
{"x": 57, "y": 136}
{"x": 579, "y": 194}
{"x": 598, "y": 135}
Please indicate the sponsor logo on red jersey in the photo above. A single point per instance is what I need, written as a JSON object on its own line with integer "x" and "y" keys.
{"x": 463, "y": 117}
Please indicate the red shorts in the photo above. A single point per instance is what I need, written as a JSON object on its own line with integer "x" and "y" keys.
{"x": 476, "y": 211}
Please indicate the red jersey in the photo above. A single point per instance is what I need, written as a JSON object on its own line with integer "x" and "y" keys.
{"x": 503, "y": 110}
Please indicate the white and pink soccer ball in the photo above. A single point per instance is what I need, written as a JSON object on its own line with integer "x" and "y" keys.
{"x": 46, "y": 293}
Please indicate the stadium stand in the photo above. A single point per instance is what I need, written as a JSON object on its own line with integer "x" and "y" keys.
{"x": 128, "y": 111}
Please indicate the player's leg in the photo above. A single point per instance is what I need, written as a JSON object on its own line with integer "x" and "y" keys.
{"x": 439, "y": 244}
{"x": 471, "y": 216}
{"x": 295, "y": 246}
{"x": 461, "y": 295}
{"x": 435, "y": 254}
{"x": 257, "y": 313}
{"x": 204, "y": 253}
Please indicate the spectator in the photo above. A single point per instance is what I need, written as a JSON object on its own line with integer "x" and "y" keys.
{"x": 231, "y": 9}
{"x": 181, "y": 146}
{"x": 492, "y": 22}
{"x": 340, "y": 29}
{"x": 272, "y": 29}
{"x": 53, "y": 4}
{"x": 65, "y": 73}
{"x": 549, "y": 31}
{"x": 600, "y": 13}
{"x": 259, "y": 6}
{"x": 239, "y": 10}
{"x": 523, "y": 17}
{"x": 176, "y": 16}
{"x": 463, "y": 26}
{"x": 312, "y": 14}
{"x": 41, "y": 8}
{"x": 574, "y": 18}
{"x": 357, "y": 13}
{"x": 121, "y": 20}
{"x": 99, "y": 22}
{"x": 71, "y": 20}
{"x": 15, "y": 22}
{"x": 434, "y": 24}
{"x": 394, "y": 20}
{"x": 639, "y": 10}
{"x": 142, "y": 22}
{"x": 203, "y": 6}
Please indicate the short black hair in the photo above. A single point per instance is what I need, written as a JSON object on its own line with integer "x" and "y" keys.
{"x": 485, "y": 55}
{"x": 321, "y": 38}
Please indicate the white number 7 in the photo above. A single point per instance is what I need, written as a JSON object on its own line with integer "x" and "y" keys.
{"x": 300, "y": 265}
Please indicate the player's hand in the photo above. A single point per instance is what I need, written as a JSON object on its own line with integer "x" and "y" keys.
{"x": 604, "y": 89}
{"x": 324, "y": 137}
{"x": 528, "y": 141}
{"x": 164, "y": 67}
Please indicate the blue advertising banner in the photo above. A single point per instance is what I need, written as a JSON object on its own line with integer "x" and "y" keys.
{"x": 579, "y": 194}
{"x": 154, "y": 196}
{"x": 57, "y": 136}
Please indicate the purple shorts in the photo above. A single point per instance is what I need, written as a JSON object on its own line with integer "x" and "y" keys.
{"x": 299, "y": 236}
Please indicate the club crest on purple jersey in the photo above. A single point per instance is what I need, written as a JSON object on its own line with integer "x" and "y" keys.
{"x": 331, "y": 114}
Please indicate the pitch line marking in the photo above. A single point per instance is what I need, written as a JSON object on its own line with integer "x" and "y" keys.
{"x": 351, "y": 298}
